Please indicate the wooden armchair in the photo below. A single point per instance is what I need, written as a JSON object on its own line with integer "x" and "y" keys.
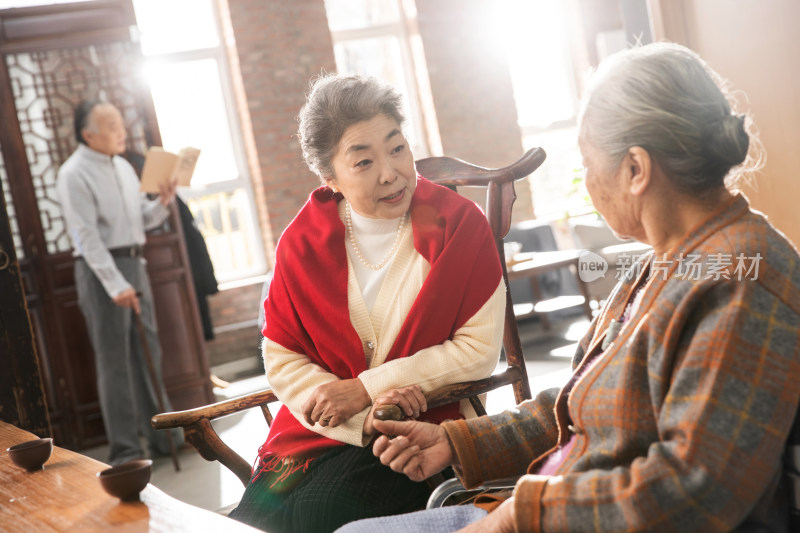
{"x": 500, "y": 196}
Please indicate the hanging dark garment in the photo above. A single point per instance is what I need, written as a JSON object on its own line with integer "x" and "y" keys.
{"x": 205, "y": 283}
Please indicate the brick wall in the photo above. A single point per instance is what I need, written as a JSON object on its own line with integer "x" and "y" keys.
{"x": 233, "y": 313}
{"x": 280, "y": 46}
{"x": 471, "y": 88}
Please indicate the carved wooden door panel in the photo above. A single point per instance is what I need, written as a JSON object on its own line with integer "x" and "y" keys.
{"x": 22, "y": 401}
{"x": 53, "y": 57}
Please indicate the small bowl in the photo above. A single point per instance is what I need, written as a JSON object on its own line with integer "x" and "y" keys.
{"x": 127, "y": 480}
{"x": 31, "y": 455}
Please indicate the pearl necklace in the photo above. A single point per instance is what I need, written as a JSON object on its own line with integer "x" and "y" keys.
{"x": 349, "y": 223}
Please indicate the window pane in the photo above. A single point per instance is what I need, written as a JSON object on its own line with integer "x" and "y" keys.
{"x": 534, "y": 33}
{"x": 379, "y": 57}
{"x": 7, "y": 4}
{"x": 557, "y": 186}
{"x": 227, "y": 227}
{"x": 175, "y": 25}
{"x": 352, "y": 14}
{"x": 191, "y": 112}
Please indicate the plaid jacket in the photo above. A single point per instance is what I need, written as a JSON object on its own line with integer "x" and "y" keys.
{"x": 681, "y": 422}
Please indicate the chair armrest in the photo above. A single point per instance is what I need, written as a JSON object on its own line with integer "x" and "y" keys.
{"x": 468, "y": 389}
{"x": 215, "y": 410}
{"x": 455, "y": 393}
{"x": 199, "y": 432}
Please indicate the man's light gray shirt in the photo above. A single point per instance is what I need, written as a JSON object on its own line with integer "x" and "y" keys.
{"x": 104, "y": 209}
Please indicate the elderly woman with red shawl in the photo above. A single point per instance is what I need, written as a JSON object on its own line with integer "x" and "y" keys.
{"x": 386, "y": 286}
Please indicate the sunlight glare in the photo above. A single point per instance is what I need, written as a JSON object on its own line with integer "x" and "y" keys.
{"x": 577, "y": 330}
{"x": 534, "y": 34}
{"x": 189, "y": 106}
{"x": 175, "y": 25}
{"x": 8, "y": 4}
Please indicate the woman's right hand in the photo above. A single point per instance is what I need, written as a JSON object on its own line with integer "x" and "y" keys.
{"x": 419, "y": 450}
{"x": 409, "y": 399}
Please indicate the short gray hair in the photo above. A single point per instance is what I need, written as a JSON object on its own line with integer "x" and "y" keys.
{"x": 335, "y": 103}
{"x": 664, "y": 98}
{"x": 81, "y": 118}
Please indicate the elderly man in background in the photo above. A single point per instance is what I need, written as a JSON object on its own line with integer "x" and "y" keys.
{"x": 106, "y": 216}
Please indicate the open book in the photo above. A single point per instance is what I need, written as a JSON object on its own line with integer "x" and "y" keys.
{"x": 161, "y": 166}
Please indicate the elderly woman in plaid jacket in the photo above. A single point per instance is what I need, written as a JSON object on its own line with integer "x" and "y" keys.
{"x": 685, "y": 386}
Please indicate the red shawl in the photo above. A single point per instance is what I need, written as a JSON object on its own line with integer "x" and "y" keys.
{"x": 306, "y": 310}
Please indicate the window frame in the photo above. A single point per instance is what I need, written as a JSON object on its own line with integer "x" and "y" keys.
{"x": 400, "y": 30}
{"x": 244, "y": 180}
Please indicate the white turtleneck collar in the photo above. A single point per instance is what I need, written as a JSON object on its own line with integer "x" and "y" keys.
{"x": 375, "y": 238}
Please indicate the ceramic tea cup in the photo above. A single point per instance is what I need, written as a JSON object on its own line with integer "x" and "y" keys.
{"x": 127, "y": 480}
{"x": 31, "y": 455}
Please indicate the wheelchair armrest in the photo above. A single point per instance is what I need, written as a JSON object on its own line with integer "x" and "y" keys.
{"x": 444, "y": 491}
{"x": 452, "y": 487}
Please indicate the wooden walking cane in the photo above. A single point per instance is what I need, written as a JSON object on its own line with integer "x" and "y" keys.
{"x": 173, "y": 451}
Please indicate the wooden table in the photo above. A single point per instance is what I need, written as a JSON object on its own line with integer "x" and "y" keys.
{"x": 66, "y": 496}
{"x": 531, "y": 265}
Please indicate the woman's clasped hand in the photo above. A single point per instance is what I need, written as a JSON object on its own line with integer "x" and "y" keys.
{"x": 335, "y": 402}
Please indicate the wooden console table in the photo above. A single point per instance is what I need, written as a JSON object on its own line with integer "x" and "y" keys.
{"x": 66, "y": 496}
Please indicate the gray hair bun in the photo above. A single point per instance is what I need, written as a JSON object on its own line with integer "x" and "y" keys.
{"x": 727, "y": 141}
